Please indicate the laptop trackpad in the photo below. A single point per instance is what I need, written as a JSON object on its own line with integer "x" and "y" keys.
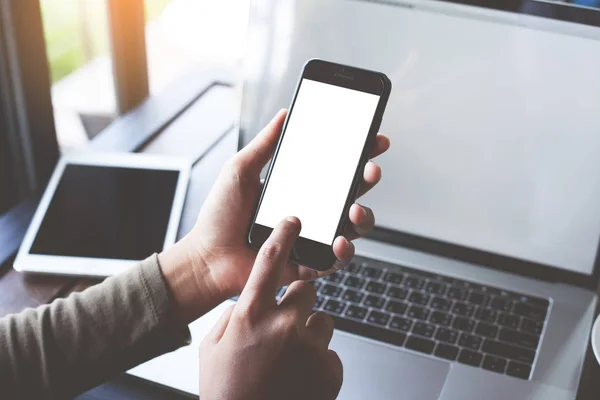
{"x": 377, "y": 371}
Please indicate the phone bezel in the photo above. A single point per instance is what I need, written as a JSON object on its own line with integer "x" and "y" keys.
{"x": 308, "y": 252}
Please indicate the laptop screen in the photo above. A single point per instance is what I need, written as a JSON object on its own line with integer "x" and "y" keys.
{"x": 494, "y": 115}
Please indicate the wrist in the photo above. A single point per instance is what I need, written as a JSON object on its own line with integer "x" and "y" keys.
{"x": 193, "y": 289}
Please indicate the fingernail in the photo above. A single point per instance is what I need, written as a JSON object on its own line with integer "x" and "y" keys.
{"x": 293, "y": 220}
{"x": 364, "y": 212}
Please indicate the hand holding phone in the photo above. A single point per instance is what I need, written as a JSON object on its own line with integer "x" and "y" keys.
{"x": 326, "y": 141}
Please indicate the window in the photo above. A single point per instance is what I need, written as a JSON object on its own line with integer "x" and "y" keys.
{"x": 186, "y": 34}
{"x": 78, "y": 50}
{"x": 75, "y": 66}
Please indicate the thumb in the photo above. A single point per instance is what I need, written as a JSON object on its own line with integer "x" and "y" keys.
{"x": 260, "y": 150}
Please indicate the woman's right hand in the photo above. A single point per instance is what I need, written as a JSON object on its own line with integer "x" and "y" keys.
{"x": 264, "y": 350}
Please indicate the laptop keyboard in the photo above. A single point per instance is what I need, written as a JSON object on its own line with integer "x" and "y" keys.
{"x": 447, "y": 318}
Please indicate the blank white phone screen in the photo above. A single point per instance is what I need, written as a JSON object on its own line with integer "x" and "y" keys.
{"x": 317, "y": 159}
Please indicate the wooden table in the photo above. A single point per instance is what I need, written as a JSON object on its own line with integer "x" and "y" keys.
{"x": 193, "y": 118}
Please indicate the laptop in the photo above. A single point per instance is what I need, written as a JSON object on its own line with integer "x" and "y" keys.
{"x": 479, "y": 280}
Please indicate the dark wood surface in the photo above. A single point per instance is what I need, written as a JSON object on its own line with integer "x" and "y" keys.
{"x": 13, "y": 225}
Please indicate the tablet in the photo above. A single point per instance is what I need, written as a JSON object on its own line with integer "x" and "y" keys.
{"x": 101, "y": 213}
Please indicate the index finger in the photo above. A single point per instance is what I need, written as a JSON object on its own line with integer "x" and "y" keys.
{"x": 268, "y": 267}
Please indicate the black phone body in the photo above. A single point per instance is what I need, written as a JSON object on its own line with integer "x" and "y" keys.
{"x": 318, "y": 164}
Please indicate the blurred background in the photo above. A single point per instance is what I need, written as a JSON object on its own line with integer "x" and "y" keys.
{"x": 78, "y": 48}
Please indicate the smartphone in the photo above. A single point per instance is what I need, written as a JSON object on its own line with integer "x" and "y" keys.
{"x": 318, "y": 164}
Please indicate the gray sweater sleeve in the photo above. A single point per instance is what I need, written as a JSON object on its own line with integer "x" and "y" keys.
{"x": 62, "y": 349}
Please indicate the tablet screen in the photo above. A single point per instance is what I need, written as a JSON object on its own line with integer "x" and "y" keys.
{"x": 107, "y": 212}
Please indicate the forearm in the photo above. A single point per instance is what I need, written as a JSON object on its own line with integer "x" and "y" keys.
{"x": 64, "y": 348}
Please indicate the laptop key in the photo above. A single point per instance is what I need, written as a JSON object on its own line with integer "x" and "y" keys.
{"x": 508, "y": 351}
{"x": 469, "y": 341}
{"x": 353, "y": 268}
{"x": 352, "y": 296}
{"x": 463, "y": 324}
{"x": 525, "y": 310}
{"x": 356, "y": 312}
{"x": 510, "y": 321}
{"x": 335, "y": 277}
{"x": 446, "y": 351}
{"x": 440, "y": 318}
{"x": 469, "y": 357}
{"x": 487, "y": 315}
{"x": 334, "y": 306}
{"x": 370, "y": 331}
{"x": 438, "y": 288}
{"x": 467, "y": 285}
{"x": 495, "y": 364}
{"x": 530, "y": 326}
{"x": 319, "y": 302}
{"x": 330, "y": 290}
{"x": 446, "y": 335}
{"x": 374, "y": 301}
{"x": 487, "y": 330}
{"x": 421, "y": 345}
{"x": 439, "y": 303}
{"x": 396, "y": 307}
{"x": 379, "y": 318}
{"x": 419, "y": 298}
{"x": 478, "y": 298}
{"x": 418, "y": 313}
{"x": 501, "y": 304}
{"x": 443, "y": 278}
{"x": 518, "y": 338}
{"x": 534, "y": 301}
{"x": 354, "y": 282}
{"x": 401, "y": 324}
{"x": 371, "y": 272}
{"x": 375, "y": 287}
{"x": 489, "y": 290}
{"x": 518, "y": 370}
{"x": 394, "y": 278}
{"x": 458, "y": 293}
{"x": 463, "y": 309}
{"x": 423, "y": 329}
{"x": 397, "y": 292}
{"x": 414, "y": 282}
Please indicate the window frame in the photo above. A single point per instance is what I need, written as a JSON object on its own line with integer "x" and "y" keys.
{"x": 26, "y": 114}
{"x": 127, "y": 35}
